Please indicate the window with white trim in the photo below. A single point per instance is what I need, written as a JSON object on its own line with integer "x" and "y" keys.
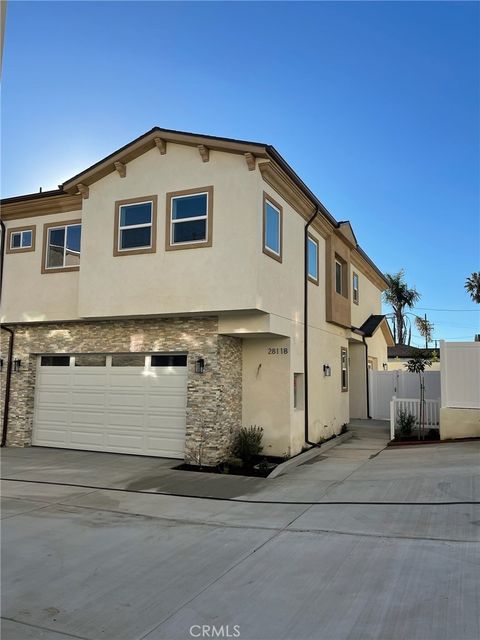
{"x": 189, "y": 218}
{"x": 312, "y": 259}
{"x": 135, "y": 226}
{"x": 339, "y": 277}
{"x": 63, "y": 246}
{"x": 21, "y": 239}
{"x": 272, "y": 229}
{"x": 355, "y": 288}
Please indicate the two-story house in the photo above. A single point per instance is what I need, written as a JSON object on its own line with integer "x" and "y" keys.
{"x": 156, "y": 302}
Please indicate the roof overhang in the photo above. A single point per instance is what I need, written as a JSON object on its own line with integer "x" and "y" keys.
{"x": 158, "y": 137}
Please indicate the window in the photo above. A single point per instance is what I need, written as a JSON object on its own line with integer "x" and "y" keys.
{"x": 91, "y": 360}
{"x": 135, "y": 226}
{"x": 272, "y": 228}
{"x": 344, "y": 368}
{"x": 62, "y": 247}
{"x": 312, "y": 260}
{"x": 128, "y": 360}
{"x": 20, "y": 239}
{"x": 169, "y": 361}
{"x": 338, "y": 277}
{"x": 356, "y": 296}
{"x": 189, "y": 218}
{"x": 55, "y": 361}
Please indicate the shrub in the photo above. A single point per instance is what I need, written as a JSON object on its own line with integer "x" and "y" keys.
{"x": 405, "y": 422}
{"x": 247, "y": 443}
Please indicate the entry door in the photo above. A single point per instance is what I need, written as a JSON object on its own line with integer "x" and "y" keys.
{"x": 124, "y": 403}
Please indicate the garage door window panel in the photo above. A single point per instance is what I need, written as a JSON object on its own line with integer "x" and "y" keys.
{"x": 91, "y": 360}
{"x": 128, "y": 360}
{"x": 55, "y": 361}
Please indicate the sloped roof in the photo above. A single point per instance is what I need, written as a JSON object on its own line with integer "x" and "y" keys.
{"x": 407, "y": 351}
{"x": 370, "y": 326}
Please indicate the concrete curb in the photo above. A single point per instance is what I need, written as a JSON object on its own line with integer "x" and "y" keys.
{"x": 288, "y": 465}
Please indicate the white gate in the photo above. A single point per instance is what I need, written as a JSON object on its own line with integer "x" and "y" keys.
{"x": 383, "y": 385}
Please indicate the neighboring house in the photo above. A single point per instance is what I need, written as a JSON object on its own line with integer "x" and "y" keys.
{"x": 400, "y": 354}
{"x": 157, "y": 302}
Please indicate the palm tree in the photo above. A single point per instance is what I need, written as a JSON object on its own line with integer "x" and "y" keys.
{"x": 399, "y": 297}
{"x": 425, "y": 329}
{"x": 472, "y": 285}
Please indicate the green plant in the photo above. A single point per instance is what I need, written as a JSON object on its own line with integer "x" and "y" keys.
{"x": 405, "y": 422}
{"x": 247, "y": 443}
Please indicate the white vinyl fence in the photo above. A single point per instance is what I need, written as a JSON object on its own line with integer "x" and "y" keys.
{"x": 412, "y": 406}
{"x": 383, "y": 385}
{"x": 460, "y": 369}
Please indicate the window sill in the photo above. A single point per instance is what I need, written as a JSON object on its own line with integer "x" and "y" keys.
{"x": 133, "y": 252}
{"x": 273, "y": 255}
{"x": 60, "y": 269}
{"x": 188, "y": 245}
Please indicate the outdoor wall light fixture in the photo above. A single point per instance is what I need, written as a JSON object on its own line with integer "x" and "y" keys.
{"x": 200, "y": 365}
{"x": 326, "y": 370}
{"x": 385, "y": 366}
{"x": 1, "y": 364}
{"x": 17, "y": 363}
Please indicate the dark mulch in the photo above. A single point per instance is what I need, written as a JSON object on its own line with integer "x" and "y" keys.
{"x": 246, "y": 470}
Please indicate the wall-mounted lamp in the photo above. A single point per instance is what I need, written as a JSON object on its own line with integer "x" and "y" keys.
{"x": 17, "y": 363}
{"x": 385, "y": 366}
{"x": 1, "y": 364}
{"x": 326, "y": 370}
{"x": 200, "y": 365}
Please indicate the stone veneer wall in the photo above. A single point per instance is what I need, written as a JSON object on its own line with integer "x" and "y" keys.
{"x": 213, "y": 398}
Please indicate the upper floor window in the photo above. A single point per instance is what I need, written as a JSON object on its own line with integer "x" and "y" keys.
{"x": 189, "y": 218}
{"x": 355, "y": 289}
{"x": 344, "y": 369}
{"x": 135, "y": 226}
{"x": 20, "y": 239}
{"x": 338, "y": 276}
{"x": 62, "y": 246}
{"x": 312, "y": 259}
{"x": 272, "y": 228}
{"x": 341, "y": 282}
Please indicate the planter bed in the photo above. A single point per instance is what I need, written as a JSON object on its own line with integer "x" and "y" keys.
{"x": 225, "y": 469}
{"x": 402, "y": 443}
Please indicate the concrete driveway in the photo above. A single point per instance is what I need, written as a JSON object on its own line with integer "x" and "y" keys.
{"x": 360, "y": 543}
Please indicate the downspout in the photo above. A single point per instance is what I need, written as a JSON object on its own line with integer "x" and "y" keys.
{"x": 366, "y": 378}
{"x": 305, "y": 328}
{"x": 8, "y": 378}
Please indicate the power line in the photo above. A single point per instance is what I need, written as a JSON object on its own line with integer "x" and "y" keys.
{"x": 453, "y": 310}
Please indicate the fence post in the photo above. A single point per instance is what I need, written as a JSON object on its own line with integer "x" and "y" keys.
{"x": 392, "y": 418}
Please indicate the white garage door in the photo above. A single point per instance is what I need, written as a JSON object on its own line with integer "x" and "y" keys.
{"x": 125, "y": 403}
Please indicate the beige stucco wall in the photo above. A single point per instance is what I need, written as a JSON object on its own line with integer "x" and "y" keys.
{"x": 30, "y": 296}
{"x": 459, "y": 423}
{"x": 377, "y": 348}
{"x": 191, "y": 280}
{"x": 267, "y": 393}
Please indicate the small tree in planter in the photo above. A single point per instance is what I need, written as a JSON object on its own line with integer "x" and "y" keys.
{"x": 418, "y": 365}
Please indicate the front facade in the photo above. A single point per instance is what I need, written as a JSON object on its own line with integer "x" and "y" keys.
{"x": 157, "y": 305}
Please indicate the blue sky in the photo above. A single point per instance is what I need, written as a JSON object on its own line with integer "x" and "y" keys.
{"x": 376, "y": 105}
